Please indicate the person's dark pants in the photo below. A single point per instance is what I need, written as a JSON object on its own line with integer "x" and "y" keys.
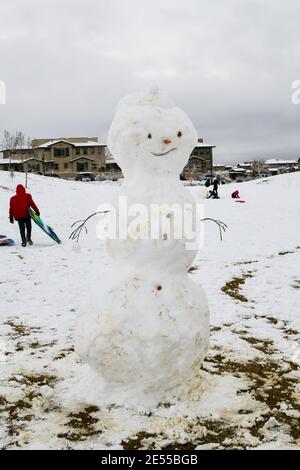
{"x": 25, "y": 224}
{"x": 213, "y": 194}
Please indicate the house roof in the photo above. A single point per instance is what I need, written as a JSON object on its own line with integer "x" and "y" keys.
{"x": 32, "y": 158}
{"x": 53, "y": 142}
{"x": 202, "y": 145}
{"x": 90, "y": 143}
{"x": 20, "y": 150}
{"x": 5, "y": 161}
{"x": 273, "y": 161}
{"x": 222, "y": 165}
{"x": 238, "y": 170}
{"x": 246, "y": 164}
{"x": 83, "y": 157}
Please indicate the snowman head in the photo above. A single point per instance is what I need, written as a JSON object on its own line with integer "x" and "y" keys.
{"x": 150, "y": 135}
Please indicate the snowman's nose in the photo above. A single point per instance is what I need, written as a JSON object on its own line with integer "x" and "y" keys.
{"x": 167, "y": 141}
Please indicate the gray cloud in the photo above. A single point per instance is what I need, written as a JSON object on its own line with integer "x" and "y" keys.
{"x": 229, "y": 64}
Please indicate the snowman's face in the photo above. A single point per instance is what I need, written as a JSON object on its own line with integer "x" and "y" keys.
{"x": 152, "y": 139}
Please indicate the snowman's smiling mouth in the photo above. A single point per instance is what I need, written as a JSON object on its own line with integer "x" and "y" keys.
{"x": 161, "y": 154}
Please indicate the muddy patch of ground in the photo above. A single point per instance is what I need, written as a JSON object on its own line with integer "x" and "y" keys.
{"x": 19, "y": 330}
{"x": 140, "y": 441}
{"x": 18, "y": 414}
{"x": 64, "y": 353}
{"x": 232, "y": 288}
{"x": 271, "y": 382}
{"x": 243, "y": 263}
{"x": 81, "y": 425}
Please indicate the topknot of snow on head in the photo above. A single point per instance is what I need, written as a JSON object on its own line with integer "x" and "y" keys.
{"x": 153, "y": 97}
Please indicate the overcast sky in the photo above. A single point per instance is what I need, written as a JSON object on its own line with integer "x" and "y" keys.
{"x": 230, "y": 64}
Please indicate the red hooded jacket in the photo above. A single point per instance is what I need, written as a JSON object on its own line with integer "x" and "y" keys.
{"x": 20, "y": 203}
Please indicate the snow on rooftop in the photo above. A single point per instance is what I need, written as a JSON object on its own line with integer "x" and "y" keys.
{"x": 203, "y": 145}
{"x": 51, "y": 142}
{"x": 6, "y": 161}
{"x": 223, "y": 165}
{"x": 90, "y": 143}
{"x": 238, "y": 170}
{"x": 274, "y": 161}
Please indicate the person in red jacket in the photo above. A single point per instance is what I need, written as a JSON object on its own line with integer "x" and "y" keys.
{"x": 19, "y": 211}
{"x": 235, "y": 195}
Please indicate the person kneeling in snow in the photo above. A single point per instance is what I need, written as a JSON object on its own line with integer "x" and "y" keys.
{"x": 235, "y": 195}
{"x": 19, "y": 211}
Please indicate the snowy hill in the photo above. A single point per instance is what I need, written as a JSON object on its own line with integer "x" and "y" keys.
{"x": 247, "y": 394}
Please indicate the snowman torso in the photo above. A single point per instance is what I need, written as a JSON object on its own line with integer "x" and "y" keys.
{"x": 157, "y": 211}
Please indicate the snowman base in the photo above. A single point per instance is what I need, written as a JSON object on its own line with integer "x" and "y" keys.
{"x": 145, "y": 334}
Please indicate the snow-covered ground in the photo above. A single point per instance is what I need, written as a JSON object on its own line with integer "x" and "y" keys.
{"x": 247, "y": 393}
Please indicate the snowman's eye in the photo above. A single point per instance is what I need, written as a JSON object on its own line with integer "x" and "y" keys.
{"x": 179, "y": 134}
{"x": 149, "y": 136}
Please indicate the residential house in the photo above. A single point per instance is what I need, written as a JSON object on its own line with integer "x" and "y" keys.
{"x": 282, "y": 166}
{"x": 200, "y": 162}
{"x": 65, "y": 157}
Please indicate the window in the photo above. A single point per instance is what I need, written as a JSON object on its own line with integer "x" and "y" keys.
{"x": 66, "y": 166}
{"x": 99, "y": 149}
{"x": 85, "y": 151}
{"x": 82, "y": 166}
{"x": 61, "y": 152}
{"x": 34, "y": 167}
{"x": 56, "y": 167}
{"x": 92, "y": 150}
{"x": 77, "y": 151}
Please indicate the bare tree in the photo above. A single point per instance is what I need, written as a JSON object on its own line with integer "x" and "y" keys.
{"x": 9, "y": 143}
{"x": 257, "y": 168}
{"x": 12, "y": 142}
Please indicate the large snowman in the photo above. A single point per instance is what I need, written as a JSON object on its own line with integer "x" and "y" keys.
{"x": 151, "y": 325}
